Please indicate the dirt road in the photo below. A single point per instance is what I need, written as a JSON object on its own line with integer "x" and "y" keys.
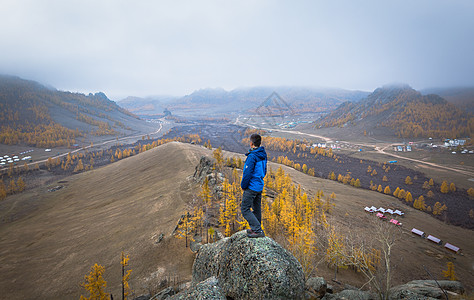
{"x": 96, "y": 145}
{"x": 378, "y": 149}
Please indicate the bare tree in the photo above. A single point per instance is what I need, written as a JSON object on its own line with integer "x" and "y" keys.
{"x": 369, "y": 254}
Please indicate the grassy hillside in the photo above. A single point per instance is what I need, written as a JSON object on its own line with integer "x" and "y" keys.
{"x": 404, "y": 111}
{"x": 39, "y": 116}
{"x": 48, "y": 241}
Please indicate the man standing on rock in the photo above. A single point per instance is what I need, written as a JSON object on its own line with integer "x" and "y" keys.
{"x": 255, "y": 169}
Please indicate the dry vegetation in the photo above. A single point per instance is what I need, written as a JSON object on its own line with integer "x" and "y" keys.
{"x": 56, "y": 237}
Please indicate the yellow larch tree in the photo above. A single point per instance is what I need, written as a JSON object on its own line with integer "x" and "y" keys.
{"x": 357, "y": 183}
{"x": 449, "y": 273}
{"x": 408, "y": 197}
{"x": 401, "y": 194}
{"x": 304, "y": 168}
{"x": 444, "y": 187}
{"x": 185, "y": 227}
{"x": 438, "y": 208}
{"x": 125, "y": 276}
{"x": 79, "y": 167}
{"x": 231, "y": 210}
{"x": 397, "y": 190}
{"x": 20, "y": 184}
{"x": 420, "y": 203}
{"x": 205, "y": 193}
{"x": 3, "y": 191}
{"x": 470, "y": 192}
{"x": 335, "y": 251}
{"x": 380, "y": 188}
{"x": 11, "y": 187}
{"x": 95, "y": 284}
{"x": 219, "y": 157}
{"x": 452, "y": 187}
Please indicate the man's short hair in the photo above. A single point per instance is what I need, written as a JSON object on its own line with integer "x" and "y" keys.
{"x": 256, "y": 139}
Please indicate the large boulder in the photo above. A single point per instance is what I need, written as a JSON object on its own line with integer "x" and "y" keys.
{"x": 425, "y": 288}
{"x": 250, "y": 268}
{"x": 207, "y": 289}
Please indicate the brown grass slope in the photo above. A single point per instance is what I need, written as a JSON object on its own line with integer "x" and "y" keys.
{"x": 48, "y": 241}
{"x": 55, "y": 238}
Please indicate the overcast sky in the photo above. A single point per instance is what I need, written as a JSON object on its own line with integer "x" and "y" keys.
{"x": 173, "y": 47}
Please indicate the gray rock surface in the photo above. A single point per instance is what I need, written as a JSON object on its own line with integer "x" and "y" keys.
{"x": 207, "y": 289}
{"x": 316, "y": 287}
{"x": 160, "y": 238}
{"x": 142, "y": 297}
{"x": 165, "y": 294}
{"x": 350, "y": 295}
{"x": 448, "y": 285}
{"x": 195, "y": 246}
{"x": 203, "y": 169}
{"x": 425, "y": 288}
{"x": 250, "y": 268}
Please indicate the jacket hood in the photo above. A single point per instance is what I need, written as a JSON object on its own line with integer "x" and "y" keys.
{"x": 259, "y": 152}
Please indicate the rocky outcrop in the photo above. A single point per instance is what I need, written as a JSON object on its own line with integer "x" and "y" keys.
{"x": 206, "y": 169}
{"x": 315, "y": 287}
{"x": 165, "y": 294}
{"x": 425, "y": 288}
{"x": 203, "y": 169}
{"x": 250, "y": 268}
{"x": 208, "y": 289}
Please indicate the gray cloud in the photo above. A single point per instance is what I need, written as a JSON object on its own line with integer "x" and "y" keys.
{"x": 173, "y": 47}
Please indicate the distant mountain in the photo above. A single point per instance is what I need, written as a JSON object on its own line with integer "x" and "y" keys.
{"x": 405, "y": 112}
{"x": 300, "y": 99}
{"x": 460, "y": 96}
{"x": 150, "y": 106}
{"x": 41, "y": 116}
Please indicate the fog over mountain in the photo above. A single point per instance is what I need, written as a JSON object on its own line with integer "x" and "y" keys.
{"x": 155, "y": 47}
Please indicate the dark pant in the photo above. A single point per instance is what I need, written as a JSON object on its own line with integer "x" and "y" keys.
{"x": 252, "y": 199}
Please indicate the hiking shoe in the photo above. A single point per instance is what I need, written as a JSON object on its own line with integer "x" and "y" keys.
{"x": 249, "y": 231}
{"x": 256, "y": 234}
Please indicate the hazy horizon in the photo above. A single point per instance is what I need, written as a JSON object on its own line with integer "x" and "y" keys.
{"x": 154, "y": 48}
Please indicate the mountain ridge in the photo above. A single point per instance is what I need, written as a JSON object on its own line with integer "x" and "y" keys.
{"x": 405, "y": 111}
{"x": 302, "y": 99}
{"x": 37, "y": 115}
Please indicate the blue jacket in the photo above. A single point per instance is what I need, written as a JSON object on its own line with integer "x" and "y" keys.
{"x": 255, "y": 169}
